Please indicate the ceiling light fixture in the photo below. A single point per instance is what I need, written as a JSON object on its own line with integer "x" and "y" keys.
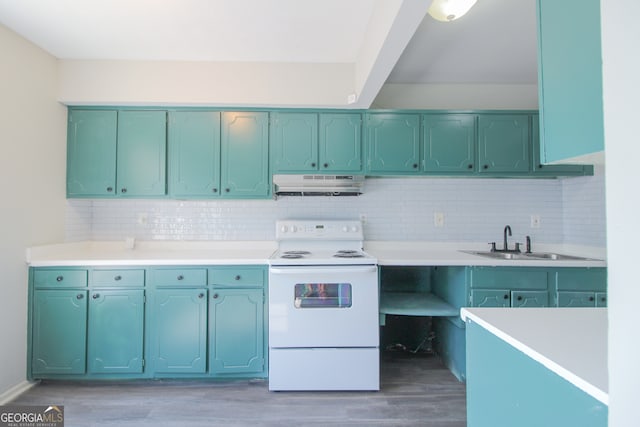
{"x": 450, "y": 10}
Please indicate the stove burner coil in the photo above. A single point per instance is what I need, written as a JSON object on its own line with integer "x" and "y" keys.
{"x": 348, "y": 254}
{"x": 296, "y": 253}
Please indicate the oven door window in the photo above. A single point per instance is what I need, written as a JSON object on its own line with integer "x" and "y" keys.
{"x": 322, "y": 295}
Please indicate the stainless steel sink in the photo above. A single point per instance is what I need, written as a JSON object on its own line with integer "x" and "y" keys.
{"x": 528, "y": 256}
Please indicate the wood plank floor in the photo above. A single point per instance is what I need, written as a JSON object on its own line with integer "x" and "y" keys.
{"x": 416, "y": 390}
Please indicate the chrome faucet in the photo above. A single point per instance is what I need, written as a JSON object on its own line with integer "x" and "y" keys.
{"x": 506, "y": 244}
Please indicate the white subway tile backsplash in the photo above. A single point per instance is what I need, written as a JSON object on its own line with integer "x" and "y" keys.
{"x": 571, "y": 211}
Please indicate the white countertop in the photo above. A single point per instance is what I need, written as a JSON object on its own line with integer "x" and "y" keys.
{"x": 103, "y": 253}
{"x": 572, "y": 342}
{"x": 91, "y": 253}
{"x": 439, "y": 253}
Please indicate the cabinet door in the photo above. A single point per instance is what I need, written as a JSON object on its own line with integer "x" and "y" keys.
{"x": 490, "y": 298}
{"x": 245, "y": 155}
{"x": 529, "y": 299}
{"x": 178, "y": 338}
{"x": 116, "y": 331}
{"x": 236, "y": 331}
{"x": 570, "y": 79}
{"x": 194, "y": 153}
{"x": 576, "y": 299}
{"x": 294, "y": 142}
{"x": 142, "y": 152}
{"x": 59, "y": 334}
{"x": 91, "y": 153}
{"x": 552, "y": 170}
{"x": 503, "y": 143}
{"x": 393, "y": 143}
{"x": 340, "y": 145}
{"x": 449, "y": 143}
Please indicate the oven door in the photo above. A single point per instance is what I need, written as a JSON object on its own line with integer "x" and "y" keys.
{"x": 323, "y": 306}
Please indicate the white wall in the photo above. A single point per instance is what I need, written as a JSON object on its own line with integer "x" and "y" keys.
{"x": 32, "y": 170}
{"x": 621, "y": 68}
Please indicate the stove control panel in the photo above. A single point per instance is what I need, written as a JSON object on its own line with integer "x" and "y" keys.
{"x": 319, "y": 230}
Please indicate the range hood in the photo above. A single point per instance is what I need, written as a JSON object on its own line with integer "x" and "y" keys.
{"x": 317, "y": 185}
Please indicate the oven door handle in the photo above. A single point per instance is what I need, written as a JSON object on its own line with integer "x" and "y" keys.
{"x": 324, "y": 269}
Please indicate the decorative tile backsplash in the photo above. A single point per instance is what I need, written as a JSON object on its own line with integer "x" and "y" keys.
{"x": 570, "y": 210}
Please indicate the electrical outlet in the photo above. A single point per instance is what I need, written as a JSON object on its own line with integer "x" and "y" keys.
{"x": 143, "y": 218}
{"x": 438, "y": 219}
{"x": 363, "y": 218}
{"x": 535, "y": 221}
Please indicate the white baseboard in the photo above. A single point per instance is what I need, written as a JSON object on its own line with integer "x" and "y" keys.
{"x": 15, "y": 391}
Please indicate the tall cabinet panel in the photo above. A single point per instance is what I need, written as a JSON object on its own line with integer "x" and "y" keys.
{"x": 294, "y": 142}
{"x": 449, "y": 143}
{"x": 245, "y": 154}
{"x": 570, "y": 79}
{"x": 142, "y": 152}
{"x": 59, "y": 332}
{"x": 194, "y": 153}
{"x": 393, "y": 143}
{"x": 503, "y": 143}
{"x": 340, "y": 142}
{"x": 91, "y": 153}
{"x": 116, "y": 331}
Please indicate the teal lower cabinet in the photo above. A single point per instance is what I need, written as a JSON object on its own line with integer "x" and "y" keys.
{"x": 236, "y": 331}
{"x": 505, "y": 387}
{"x": 178, "y": 331}
{"x": 59, "y": 332}
{"x": 507, "y": 287}
{"x": 147, "y": 322}
{"x": 116, "y": 331}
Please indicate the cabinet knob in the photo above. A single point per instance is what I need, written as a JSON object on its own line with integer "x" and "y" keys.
{"x": 109, "y": 189}
{"x": 117, "y": 278}
{"x": 415, "y": 166}
{"x": 79, "y": 296}
{"x": 505, "y": 296}
{"x": 95, "y": 296}
{"x": 326, "y": 165}
{"x": 180, "y": 277}
{"x": 124, "y": 190}
{"x": 215, "y": 190}
{"x": 59, "y": 278}
{"x": 591, "y": 298}
{"x": 470, "y": 166}
{"x": 540, "y": 166}
{"x": 215, "y": 296}
{"x": 313, "y": 165}
{"x": 201, "y": 295}
{"x": 238, "y": 277}
{"x": 485, "y": 167}
{"x": 226, "y": 190}
{"x": 519, "y": 298}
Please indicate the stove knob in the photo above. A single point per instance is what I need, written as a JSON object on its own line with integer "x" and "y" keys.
{"x": 345, "y": 229}
{"x": 284, "y": 229}
{"x": 354, "y": 228}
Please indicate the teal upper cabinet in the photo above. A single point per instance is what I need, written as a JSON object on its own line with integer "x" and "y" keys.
{"x": 294, "y": 142}
{"x": 340, "y": 145}
{"x": 194, "y": 153}
{"x": 312, "y": 142}
{"x": 91, "y": 153}
{"x": 569, "y": 79}
{"x": 552, "y": 170}
{"x": 245, "y": 155}
{"x": 449, "y": 143}
{"x": 503, "y": 143}
{"x": 141, "y": 157}
{"x": 393, "y": 143}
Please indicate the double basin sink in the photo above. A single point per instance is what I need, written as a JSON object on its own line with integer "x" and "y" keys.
{"x": 533, "y": 256}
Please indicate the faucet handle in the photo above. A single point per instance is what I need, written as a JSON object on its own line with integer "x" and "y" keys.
{"x": 493, "y": 246}
{"x": 517, "y": 249}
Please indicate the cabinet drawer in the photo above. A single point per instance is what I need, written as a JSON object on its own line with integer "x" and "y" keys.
{"x": 59, "y": 278}
{"x": 180, "y": 276}
{"x": 117, "y": 277}
{"x": 491, "y": 298}
{"x": 249, "y": 277}
{"x": 529, "y": 299}
{"x": 509, "y": 278}
{"x": 576, "y": 299}
{"x": 582, "y": 279}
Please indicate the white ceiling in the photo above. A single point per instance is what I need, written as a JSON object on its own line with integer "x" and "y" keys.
{"x": 494, "y": 43}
